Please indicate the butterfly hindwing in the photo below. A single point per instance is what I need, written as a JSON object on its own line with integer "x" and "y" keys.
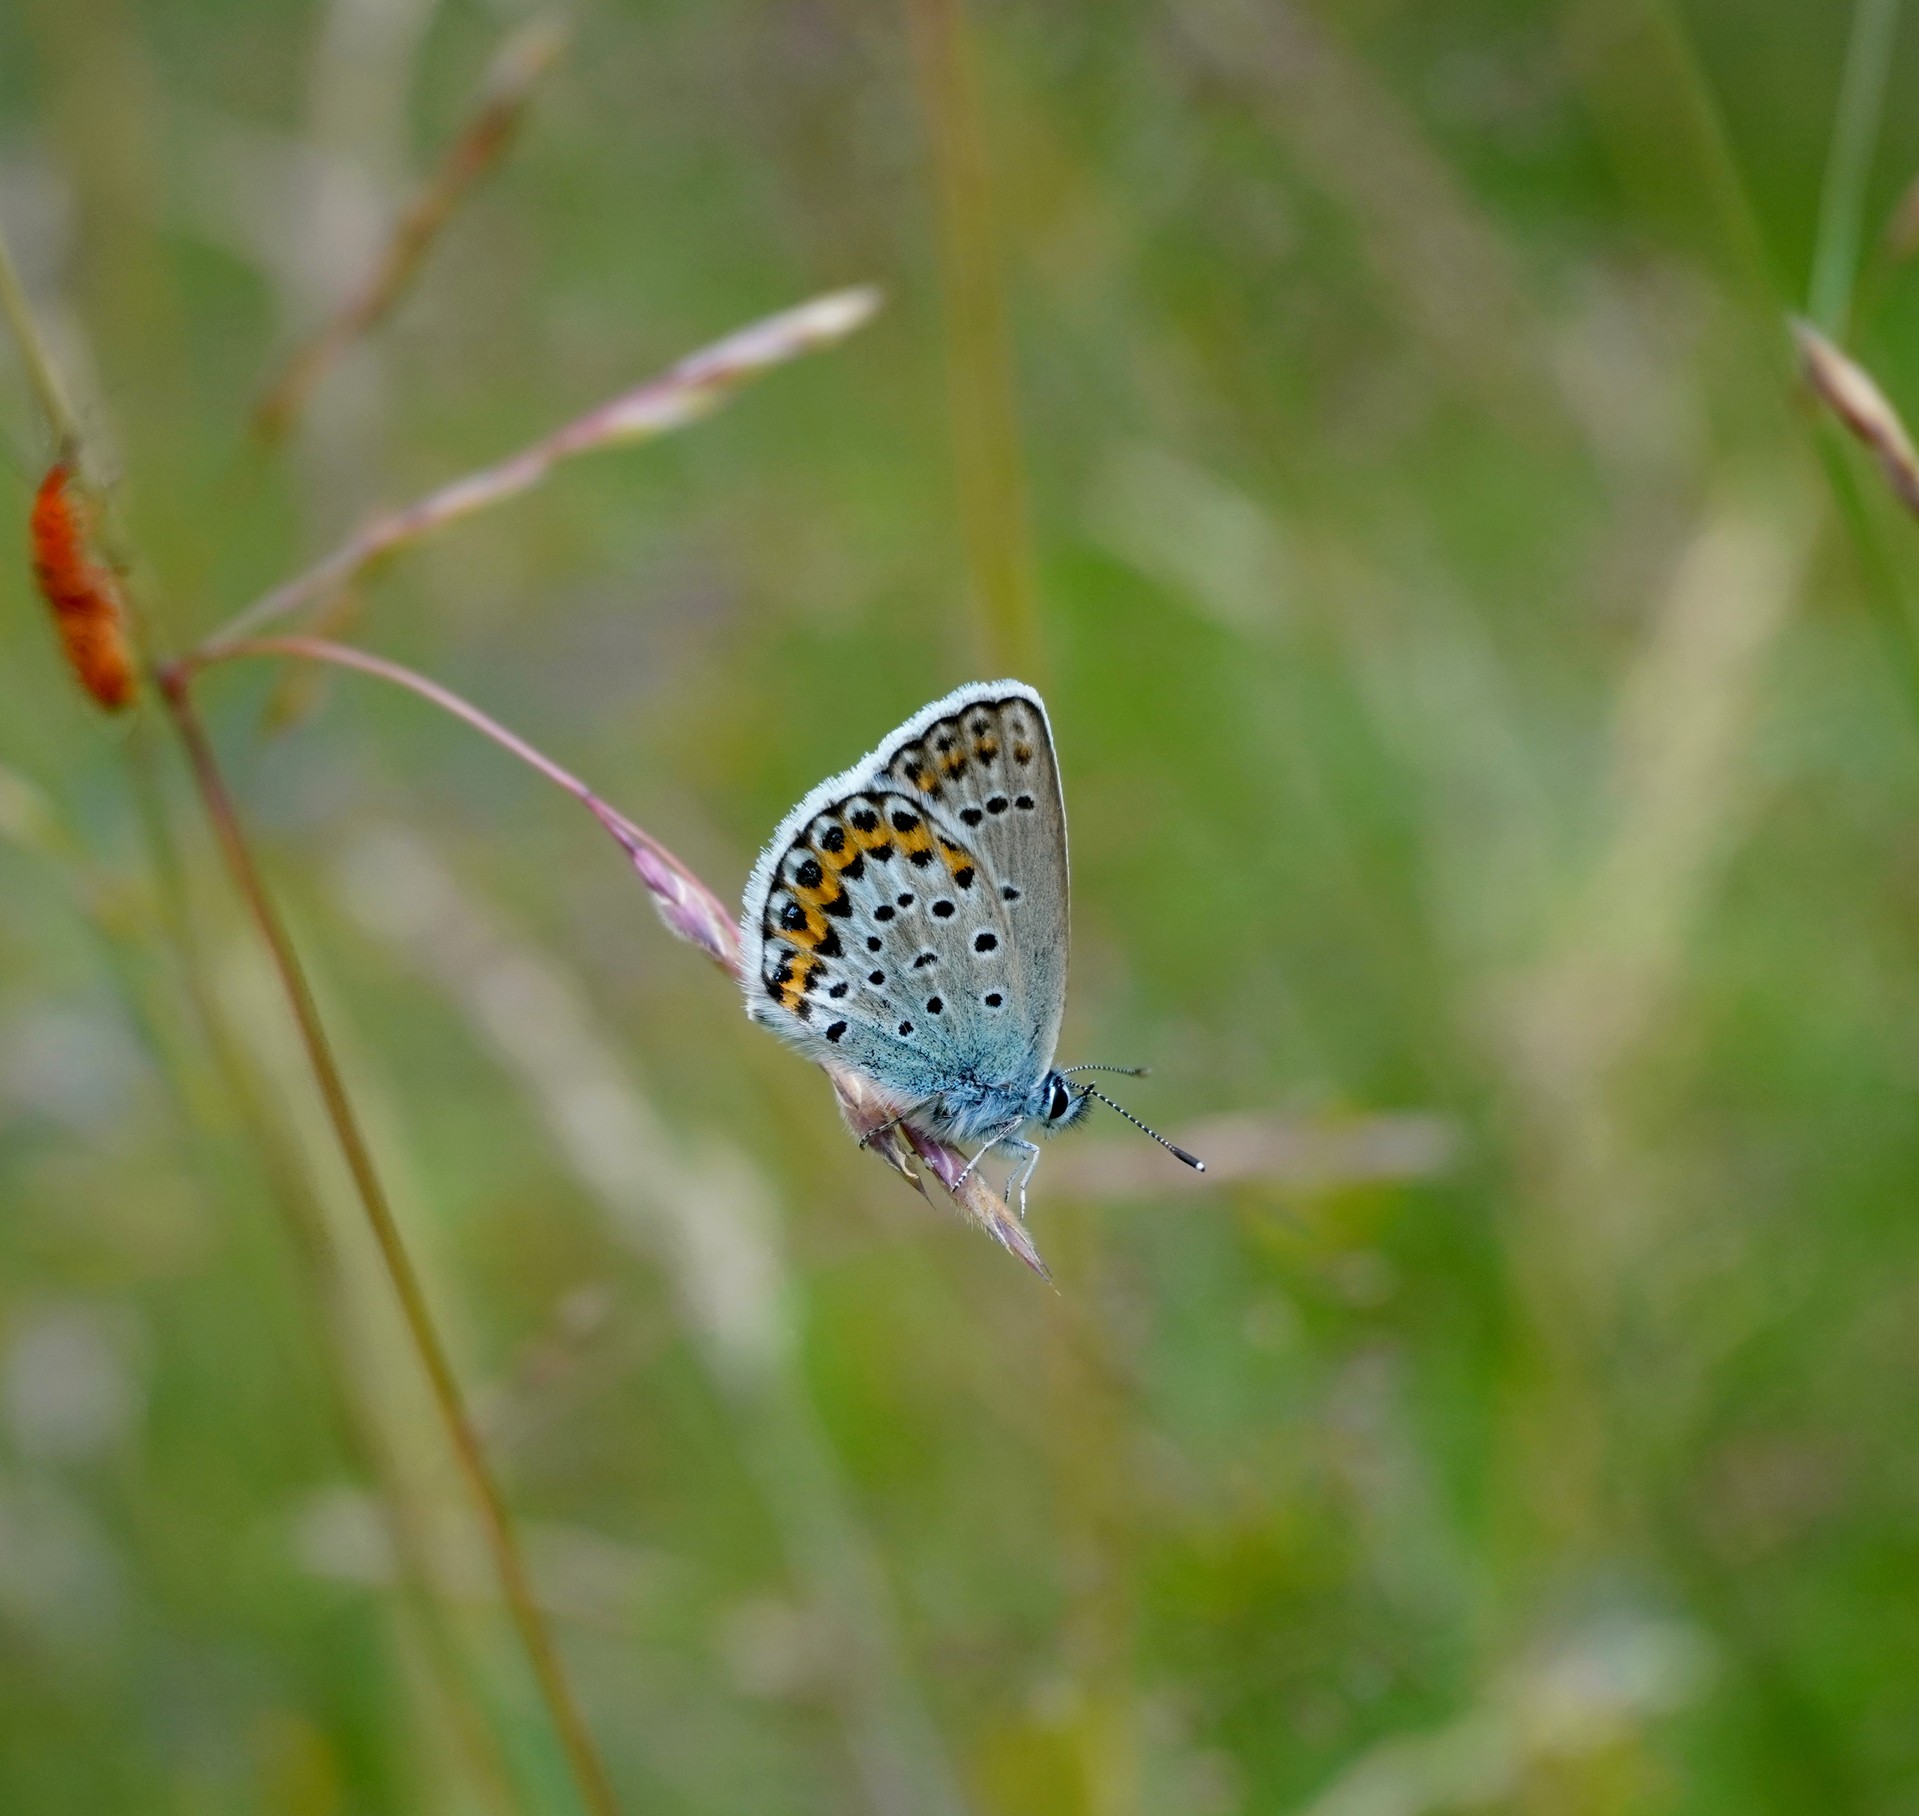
{"x": 909, "y": 916}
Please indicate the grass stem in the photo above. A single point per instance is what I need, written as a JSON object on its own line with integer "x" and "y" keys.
{"x": 683, "y": 394}
{"x": 1855, "y": 131}
{"x": 41, "y": 375}
{"x": 986, "y": 446}
{"x": 589, "y": 1773}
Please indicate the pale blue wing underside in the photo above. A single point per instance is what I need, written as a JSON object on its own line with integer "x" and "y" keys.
{"x": 909, "y": 916}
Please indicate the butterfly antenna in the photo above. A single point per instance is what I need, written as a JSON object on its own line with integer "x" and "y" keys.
{"x": 1123, "y": 1071}
{"x": 1178, "y": 1153}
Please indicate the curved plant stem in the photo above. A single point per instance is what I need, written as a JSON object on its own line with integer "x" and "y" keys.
{"x": 496, "y": 1523}
{"x": 1855, "y": 129}
{"x": 688, "y": 907}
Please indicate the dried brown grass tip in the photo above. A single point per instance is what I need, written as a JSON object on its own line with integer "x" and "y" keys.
{"x": 1850, "y": 392}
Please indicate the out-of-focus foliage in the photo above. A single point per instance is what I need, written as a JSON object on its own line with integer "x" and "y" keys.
{"x": 1493, "y": 775}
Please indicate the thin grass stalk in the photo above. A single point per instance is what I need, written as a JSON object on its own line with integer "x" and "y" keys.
{"x": 704, "y": 1214}
{"x": 1889, "y": 598}
{"x": 1093, "y": 1530}
{"x": 47, "y": 389}
{"x": 479, "y": 145}
{"x": 321, "y": 1285}
{"x": 303, "y": 1224}
{"x": 693, "y": 388}
{"x": 583, "y": 1758}
{"x": 986, "y": 447}
{"x": 1649, "y": 46}
{"x": 350, "y": 1424}
{"x": 1855, "y": 132}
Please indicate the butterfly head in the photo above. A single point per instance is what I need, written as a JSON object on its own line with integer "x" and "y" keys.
{"x": 1061, "y": 1103}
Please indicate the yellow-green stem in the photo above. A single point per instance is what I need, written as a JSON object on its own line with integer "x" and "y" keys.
{"x": 496, "y": 1522}
{"x": 986, "y": 448}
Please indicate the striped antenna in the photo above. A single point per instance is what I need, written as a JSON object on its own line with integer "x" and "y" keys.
{"x": 1178, "y": 1153}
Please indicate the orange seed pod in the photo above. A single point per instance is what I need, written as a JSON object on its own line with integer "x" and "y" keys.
{"x": 84, "y": 594}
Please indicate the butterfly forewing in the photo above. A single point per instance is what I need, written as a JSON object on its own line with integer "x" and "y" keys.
{"x": 985, "y": 768}
{"x": 909, "y": 917}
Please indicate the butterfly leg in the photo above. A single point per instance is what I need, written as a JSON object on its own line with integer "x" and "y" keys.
{"x": 893, "y": 1122}
{"x": 1000, "y": 1138}
{"x": 1022, "y": 1170}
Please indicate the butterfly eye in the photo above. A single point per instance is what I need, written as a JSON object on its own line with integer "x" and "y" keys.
{"x": 1058, "y": 1100}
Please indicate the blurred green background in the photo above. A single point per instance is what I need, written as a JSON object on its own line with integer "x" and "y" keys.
{"x": 1487, "y": 724}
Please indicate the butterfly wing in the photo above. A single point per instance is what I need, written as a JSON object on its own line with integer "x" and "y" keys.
{"x": 909, "y": 917}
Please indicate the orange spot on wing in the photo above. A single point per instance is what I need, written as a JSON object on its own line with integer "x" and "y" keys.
{"x": 802, "y": 968}
{"x": 915, "y": 767}
{"x": 826, "y": 894}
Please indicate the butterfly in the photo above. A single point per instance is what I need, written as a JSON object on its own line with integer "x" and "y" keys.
{"x": 908, "y": 920}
